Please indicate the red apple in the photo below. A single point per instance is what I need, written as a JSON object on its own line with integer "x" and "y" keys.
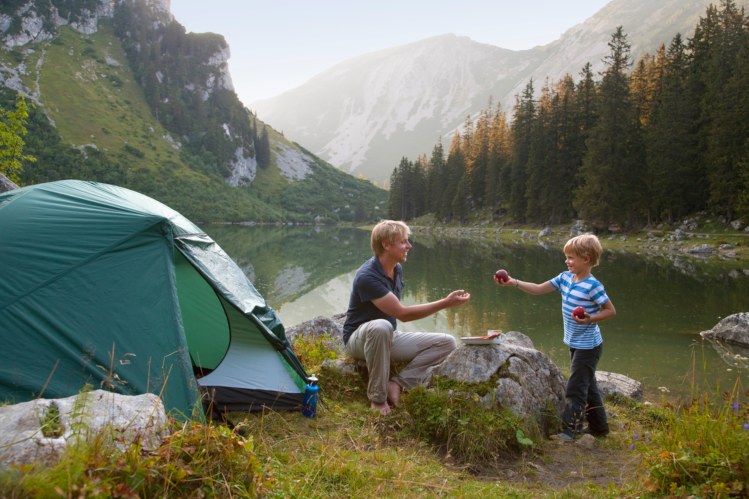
{"x": 578, "y": 312}
{"x": 502, "y": 275}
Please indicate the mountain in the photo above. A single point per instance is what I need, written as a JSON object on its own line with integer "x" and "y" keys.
{"x": 363, "y": 115}
{"x": 120, "y": 93}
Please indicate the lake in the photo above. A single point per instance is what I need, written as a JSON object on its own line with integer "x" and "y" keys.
{"x": 662, "y": 302}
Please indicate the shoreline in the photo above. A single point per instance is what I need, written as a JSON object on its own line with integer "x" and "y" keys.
{"x": 730, "y": 246}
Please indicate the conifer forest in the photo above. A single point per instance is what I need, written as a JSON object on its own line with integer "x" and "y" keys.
{"x": 643, "y": 142}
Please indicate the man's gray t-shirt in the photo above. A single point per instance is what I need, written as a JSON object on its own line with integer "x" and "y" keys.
{"x": 370, "y": 283}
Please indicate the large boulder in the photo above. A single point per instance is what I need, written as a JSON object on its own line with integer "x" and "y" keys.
{"x": 40, "y": 430}
{"x": 733, "y": 329}
{"x": 730, "y": 338}
{"x": 524, "y": 379}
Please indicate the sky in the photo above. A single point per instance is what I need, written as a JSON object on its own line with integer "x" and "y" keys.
{"x": 277, "y": 45}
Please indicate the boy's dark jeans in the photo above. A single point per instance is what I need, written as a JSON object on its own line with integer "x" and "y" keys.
{"x": 584, "y": 401}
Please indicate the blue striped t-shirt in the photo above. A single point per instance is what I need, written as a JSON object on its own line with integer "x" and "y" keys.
{"x": 588, "y": 293}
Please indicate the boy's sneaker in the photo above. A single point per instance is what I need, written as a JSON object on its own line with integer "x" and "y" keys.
{"x": 564, "y": 437}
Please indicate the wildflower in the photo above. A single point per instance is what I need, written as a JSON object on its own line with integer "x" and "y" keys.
{"x": 746, "y": 426}
{"x": 637, "y": 436}
{"x": 663, "y": 389}
{"x": 632, "y": 447}
{"x": 735, "y": 406}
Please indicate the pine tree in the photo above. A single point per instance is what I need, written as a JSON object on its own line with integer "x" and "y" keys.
{"x": 522, "y": 126}
{"x": 455, "y": 167}
{"x": 719, "y": 44}
{"x": 436, "y": 178}
{"x": 478, "y": 163}
{"x": 542, "y": 155}
{"x": 500, "y": 150}
{"x": 262, "y": 148}
{"x": 613, "y": 178}
{"x": 645, "y": 83}
{"x": 675, "y": 176}
{"x": 396, "y": 199}
{"x": 570, "y": 143}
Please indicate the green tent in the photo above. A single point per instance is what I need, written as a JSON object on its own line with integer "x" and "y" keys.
{"x": 104, "y": 287}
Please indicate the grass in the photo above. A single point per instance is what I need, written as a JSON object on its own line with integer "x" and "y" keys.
{"x": 436, "y": 444}
{"x": 92, "y": 101}
{"x": 702, "y": 449}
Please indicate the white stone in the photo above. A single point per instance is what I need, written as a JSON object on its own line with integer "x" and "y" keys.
{"x": 130, "y": 419}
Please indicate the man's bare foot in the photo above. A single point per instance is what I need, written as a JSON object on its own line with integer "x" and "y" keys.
{"x": 394, "y": 393}
{"x": 382, "y": 408}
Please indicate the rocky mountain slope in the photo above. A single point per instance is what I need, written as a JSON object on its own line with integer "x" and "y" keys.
{"x": 121, "y": 82}
{"x": 366, "y": 113}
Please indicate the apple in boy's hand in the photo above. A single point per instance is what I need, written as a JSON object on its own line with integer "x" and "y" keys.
{"x": 501, "y": 275}
{"x": 578, "y": 312}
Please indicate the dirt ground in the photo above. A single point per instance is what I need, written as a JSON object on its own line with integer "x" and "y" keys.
{"x": 600, "y": 462}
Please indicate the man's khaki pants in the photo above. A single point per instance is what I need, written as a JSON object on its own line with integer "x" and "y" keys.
{"x": 379, "y": 345}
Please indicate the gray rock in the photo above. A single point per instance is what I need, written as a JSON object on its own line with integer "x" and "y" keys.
{"x": 586, "y": 441}
{"x": 733, "y": 329}
{"x": 526, "y": 381}
{"x": 730, "y": 338}
{"x": 618, "y": 384}
{"x": 319, "y": 326}
{"x": 6, "y": 184}
{"x": 700, "y": 249}
{"x": 130, "y": 419}
{"x": 578, "y": 228}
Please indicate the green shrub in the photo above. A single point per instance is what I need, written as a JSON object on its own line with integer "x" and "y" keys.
{"x": 461, "y": 427}
{"x": 313, "y": 350}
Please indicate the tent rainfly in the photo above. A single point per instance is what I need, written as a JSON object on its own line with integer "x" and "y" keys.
{"x": 107, "y": 288}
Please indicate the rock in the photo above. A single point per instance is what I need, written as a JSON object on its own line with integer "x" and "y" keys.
{"x": 6, "y": 184}
{"x": 578, "y": 228}
{"x": 586, "y": 441}
{"x": 700, "y": 249}
{"x": 733, "y": 329}
{"x": 130, "y": 419}
{"x": 526, "y": 381}
{"x": 320, "y": 326}
{"x": 730, "y": 338}
{"x": 618, "y": 384}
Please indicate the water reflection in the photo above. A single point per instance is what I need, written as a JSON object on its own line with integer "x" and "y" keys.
{"x": 662, "y": 303}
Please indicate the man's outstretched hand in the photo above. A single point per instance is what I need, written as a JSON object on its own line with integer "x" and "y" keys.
{"x": 458, "y": 297}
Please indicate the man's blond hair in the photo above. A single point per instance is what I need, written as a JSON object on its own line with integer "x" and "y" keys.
{"x": 585, "y": 246}
{"x": 388, "y": 230}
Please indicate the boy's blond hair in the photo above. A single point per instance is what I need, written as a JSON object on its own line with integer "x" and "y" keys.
{"x": 585, "y": 246}
{"x": 387, "y": 230}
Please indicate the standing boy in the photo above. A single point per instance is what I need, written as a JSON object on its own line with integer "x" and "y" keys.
{"x": 370, "y": 333}
{"x": 579, "y": 287}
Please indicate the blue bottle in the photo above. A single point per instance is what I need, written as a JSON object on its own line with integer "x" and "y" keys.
{"x": 309, "y": 406}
